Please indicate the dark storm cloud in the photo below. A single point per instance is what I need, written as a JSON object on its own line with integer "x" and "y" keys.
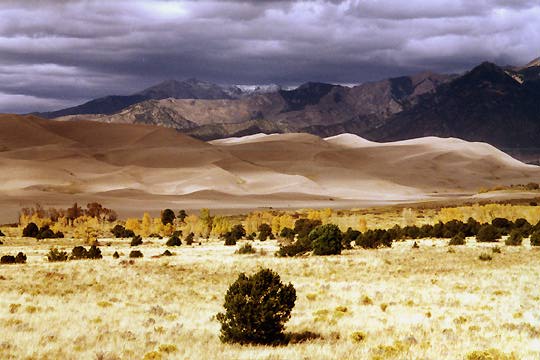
{"x": 59, "y": 53}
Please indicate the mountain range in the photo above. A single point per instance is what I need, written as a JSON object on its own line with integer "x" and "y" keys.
{"x": 498, "y": 105}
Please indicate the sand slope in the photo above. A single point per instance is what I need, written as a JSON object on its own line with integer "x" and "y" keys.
{"x": 137, "y": 167}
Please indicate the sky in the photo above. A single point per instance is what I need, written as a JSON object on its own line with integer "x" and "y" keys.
{"x": 59, "y": 53}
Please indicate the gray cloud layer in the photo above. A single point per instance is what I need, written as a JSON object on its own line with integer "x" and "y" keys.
{"x": 59, "y": 53}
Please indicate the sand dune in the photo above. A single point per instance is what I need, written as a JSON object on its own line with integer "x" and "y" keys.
{"x": 136, "y": 167}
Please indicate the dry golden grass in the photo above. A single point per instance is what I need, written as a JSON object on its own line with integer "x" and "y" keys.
{"x": 400, "y": 303}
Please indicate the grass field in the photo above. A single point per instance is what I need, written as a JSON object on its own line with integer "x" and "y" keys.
{"x": 402, "y": 303}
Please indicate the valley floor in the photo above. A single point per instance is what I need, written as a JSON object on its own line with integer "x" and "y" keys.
{"x": 402, "y": 303}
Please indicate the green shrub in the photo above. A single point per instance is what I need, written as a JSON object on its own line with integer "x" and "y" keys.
{"x": 514, "y": 239}
{"x": 136, "y": 241}
{"x": 94, "y": 253}
{"x": 256, "y": 309}
{"x": 246, "y": 249}
{"x": 57, "y": 255}
{"x": 326, "y": 240}
{"x": 303, "y": 227}
{"x": 167, "y": 253}
{"x": 167, "y": 216}
{"x": 459, "y": 239}
{"x": 265, "y": 232}
{"x": 238, "y": 231}
{"x": 78, "y": 252}
{"x": 485, "y": 257}
{"x": 535, "y": 238}
{"x": 174, "y": 241}
{"x": 31, "y": 230}
{"x": 116, "y": 255}
{"x": 230, "y": 240}
{"x": 121, "y": 232}
{"x": 20, "y": 258}
{"x": 287, "y": 233}
{"x": 1, "y": 233}
{"x": 135, "y": 254}
{"x": 488, "y": 233}
{"x": 189, "y": 238}
{"x": 348, "y": 237}
{"x": 155, "y": 236}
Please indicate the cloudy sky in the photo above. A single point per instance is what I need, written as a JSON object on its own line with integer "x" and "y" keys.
{"x": 58, "y": 53}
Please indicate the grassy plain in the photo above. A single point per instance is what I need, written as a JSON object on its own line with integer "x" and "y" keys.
{"x": 401, "y": 303}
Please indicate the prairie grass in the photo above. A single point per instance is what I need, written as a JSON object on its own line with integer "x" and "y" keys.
{"x": 364, "y": 304}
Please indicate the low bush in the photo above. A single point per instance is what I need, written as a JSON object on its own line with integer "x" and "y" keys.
{"x": 246, "y": 249}
{"x": 94, "y": 253}
{"x": 458, "y": 239}
{"x": 535, "y": 238}
{"x": 514, "y": 239}
{"x": 136, "y": 240}
{"x": 55, "y": 255}
{"x": 326, "y": 240}
{"x": 174, "y": 241}
{"x": 485, "y": 257}
{"x": 488, "y": 233}
{"x": 167, "y": 253}
{"x": 189, "y": 238}
{"x": 135, "y": 254}
{"x": 256, "y": 309}
{"x": 78, "y": 252}
{"x": 30, "y": 230}
{"x": 265, "y": 232}
{"x": 121, "y": 232}
{"x": 20, "y": 258}
{"x": 116, "y": 255}
{"x": 155, "y": 236}
{"x": 230, "y": 239}
{"x": 348, "y": 237}
{"x": 287, "y": 233}
{"x": 1, "y": 233}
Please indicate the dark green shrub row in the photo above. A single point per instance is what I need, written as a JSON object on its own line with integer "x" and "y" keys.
{"x": 80, "y": 252}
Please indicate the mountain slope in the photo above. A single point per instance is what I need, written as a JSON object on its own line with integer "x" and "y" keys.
{"x": 485, "y": 104}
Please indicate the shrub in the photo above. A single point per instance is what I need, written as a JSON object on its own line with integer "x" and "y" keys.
{"x": 20, "y": 258}
{"x": 326, "y": 240}
{"x": 45, "y": 233}
{"x": 299, "y": 247}
{"x": 246, "y": 249}
{"x": 167, "y": 216}
{"x": 349, "y": 236}
{"x": 515, "y": 238}
{"x": 189, "y": 238}
{"x": 136, "y": 240}
{"x": 1, "y": 233}
{"x": 174, "y": 241}
{"x": 94, "y": 253}
{"x": 458, "y": 239}
{"x": 7, "y": 259}
{"x": 535, "y": 238}
{"x": 287, "y": 233}
{"x": 57, "y": 255}
{"x": 167, "y": 253}
{"x": 488, "y": 233}
{"x": 230, "y": 240}
{"x": 485, "y": 257}
{"x": 256, "y": 309}
{"x": 31, "y": 230}
{"x": 135, "y": 254}
{"x": 373, "y": 239}
{"x": 155, "y": 235}
{"x": 78, "y": 252}
{"x": 265, "y": 232}
{"x": 303, "y": 227}
{"x": 238, "y": 231}
{"x": 116, "y": 255}
{"x": 504, "y": 225}
{"x": 121, "y": 232}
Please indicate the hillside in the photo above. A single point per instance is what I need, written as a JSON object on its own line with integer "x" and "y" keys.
{"x": 56, "y": 163}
